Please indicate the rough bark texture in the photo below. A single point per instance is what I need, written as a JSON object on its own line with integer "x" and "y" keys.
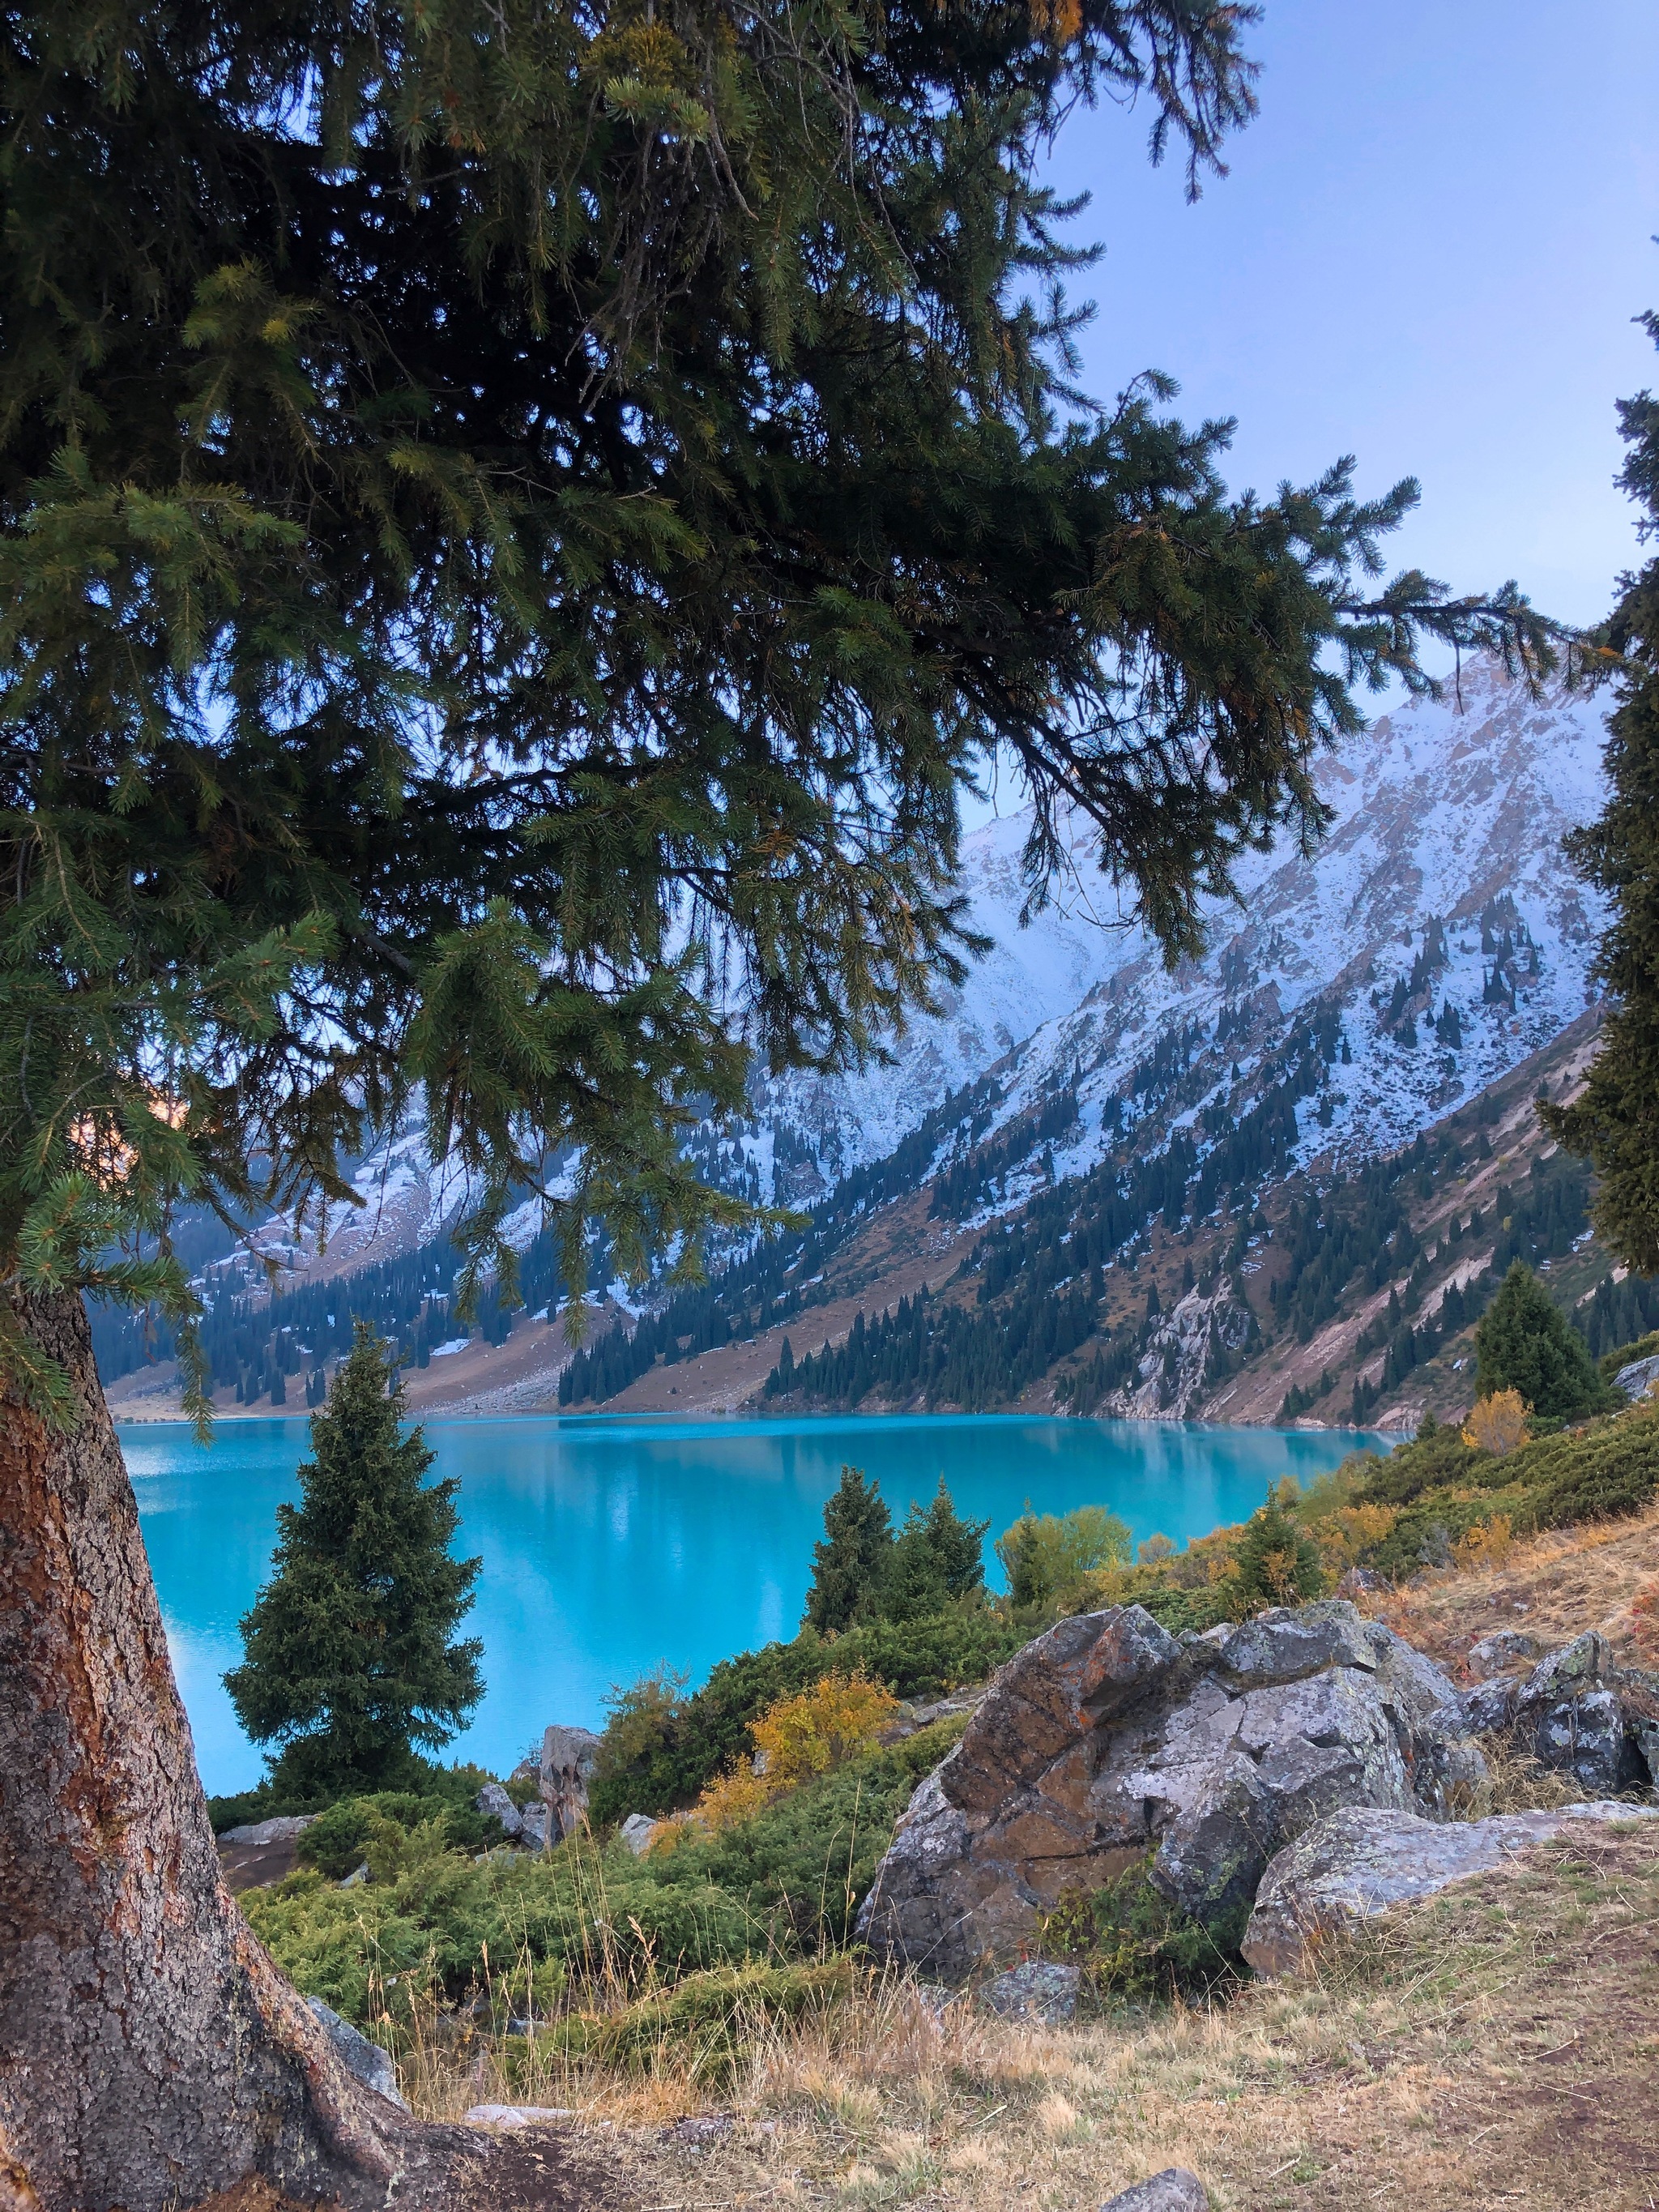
{"x": 150, "y": 2054}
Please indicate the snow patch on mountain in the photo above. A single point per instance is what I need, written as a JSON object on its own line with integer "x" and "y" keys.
{"x": 1444, "y": 853}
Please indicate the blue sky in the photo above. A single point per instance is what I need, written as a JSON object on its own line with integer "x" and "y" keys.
{"x": 1427, "y": 253}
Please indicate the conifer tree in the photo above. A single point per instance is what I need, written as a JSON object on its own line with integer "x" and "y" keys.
{"x": 1276, "y": 1563}
{"x": 348, "y": 1664}
{"x": 937, "y": 1558}
{"x": 1615, "y": 1120}
{"x": 1525, "y": 1342}
{"x": 850, "y": 1565}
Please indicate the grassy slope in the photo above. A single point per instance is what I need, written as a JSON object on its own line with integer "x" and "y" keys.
{"x": 1495, "y": 2047}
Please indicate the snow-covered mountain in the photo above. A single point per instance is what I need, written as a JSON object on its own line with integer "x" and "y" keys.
{"x": 1440, "y": 884}
{"x": 1434, "y": 941}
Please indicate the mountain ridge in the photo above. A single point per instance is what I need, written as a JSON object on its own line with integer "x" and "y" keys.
{"x": 1349, "y": 1000}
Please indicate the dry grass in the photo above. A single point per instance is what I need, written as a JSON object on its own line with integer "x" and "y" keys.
{"x": 1554, "y": 1586}
{"x": 1496, "y": 2047}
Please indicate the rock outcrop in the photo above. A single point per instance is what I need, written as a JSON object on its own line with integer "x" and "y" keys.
{"x": 282, "y": 1828}
{"x": 1038, "y": 1990}
{"x": 1108, "y": 1739}
{"x": 493, "y": 1802}
{"x": 1580, "y": 1713}
{"x": 1577, "y": 1711}
{"x": 568, "y": 1756}
{"x": 371, "y": 2065}
{"x": 1360, "y": 1861}
{"x": 1175, "y": 2190}
{"x": 1187, "y": 1350}
{"x": 1639, "y": 1379}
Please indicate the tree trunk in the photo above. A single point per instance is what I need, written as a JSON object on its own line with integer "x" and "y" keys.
{"x": 150, "y": 2053}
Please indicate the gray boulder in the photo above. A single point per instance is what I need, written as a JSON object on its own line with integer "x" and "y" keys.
{"x": 1036, "y": 1991}
{"x": 281, "y": 1829}
{"x": 1491, "y": 1706}
{"x": 370, "y": 2065}
{"x": 1578, "y": 1713}
{"x": 1106, "y": 1740}
{"x": 1175, "y": 2190}
{"x": 636, "y": 1832}
{"x": 568, "y": 1759}
{"x": 1360, "y": 1861}
{"x": 1500, "y": 1654}
{"x": 1637, "y": 1380}
{"x": 493, "y": 1802}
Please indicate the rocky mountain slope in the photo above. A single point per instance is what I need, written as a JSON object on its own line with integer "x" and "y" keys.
{"x": 1442, "y": 870}
{"x": 1096, "y": 1183}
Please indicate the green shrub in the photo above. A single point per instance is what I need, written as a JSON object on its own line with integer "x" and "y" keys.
{"x": 705, "y": 2025}
{"x": 1613, "y": 1470}
{"x": 421, "y": 1777}
{"x": 1132, "y": 1943}
{"x": 1181, "y": 1610}
{"x": 1427, "y": 1462}
{"x": 1044, "y": 1555}
{"x": 783, "y": 1886}
{"x": 1276, "y": 1563}
{"x": 661, "y": 1749}
{"x": 338, "y": 1840}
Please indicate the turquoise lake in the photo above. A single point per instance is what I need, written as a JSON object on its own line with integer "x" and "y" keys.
{"x": 611, "y": 1546}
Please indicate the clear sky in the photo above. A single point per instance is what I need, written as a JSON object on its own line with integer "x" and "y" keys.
{"x": 1427, "y": 253}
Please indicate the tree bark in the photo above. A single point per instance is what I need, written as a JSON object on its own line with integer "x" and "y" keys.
{"x": 150, "y": 2053}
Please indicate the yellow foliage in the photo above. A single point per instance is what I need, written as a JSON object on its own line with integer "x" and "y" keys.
{"x": 822, "y": 1728}
{"x": 1280, "y": 1571}
{"x": 1342, "y": 1536}
{"x": 1488, "y": 1544}
{"x": 732, "y": 1798}
{"x": 1499, "y": 1423}
{"x": 1058, "y": 21}
{"x": 799, "y": 1737}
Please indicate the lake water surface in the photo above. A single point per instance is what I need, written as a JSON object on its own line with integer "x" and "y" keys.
{"x": 612, "y": 1546}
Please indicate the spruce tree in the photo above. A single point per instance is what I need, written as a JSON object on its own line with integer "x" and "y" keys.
{"x": 1526, "y": 1343}
{"x": 349, "y": 1665}
{"x": 850, "y": 1565}
{"x": 1615, "y": 1120}
{"x": 937, "y": 1559}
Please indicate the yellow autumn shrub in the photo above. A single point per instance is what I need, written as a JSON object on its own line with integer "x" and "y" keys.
{"x": 808, "y": 1734}
{"x": 1498, "y": 1424}
{"x": 1345, "y": 1536}
{"x": 1488, "y": 1544}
